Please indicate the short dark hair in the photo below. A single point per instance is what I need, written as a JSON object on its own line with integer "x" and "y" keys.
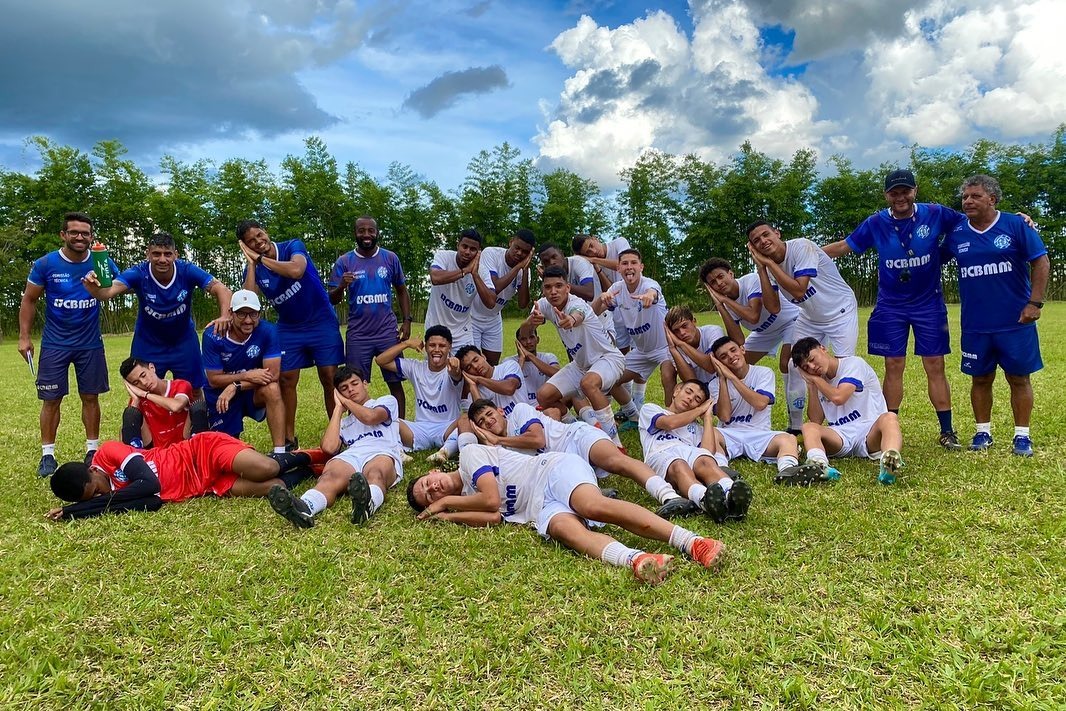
{"x": 547, "y": 247}
{"x": 526, "y": 236}
{"x": 553, "y": 272}
{"x": 438, "y": 330}
{"x": 68, "y": 482}
{"x": 477, "y": 406}
{"x": 129, "y": 364}
{"x": 757, "y": 223}
{"x": 802, "y": 348}
{"x": 162, "y": 239}
{"x": 677, "y": 313}
{"x": 518, "y": 331}
{"x": 724, "y": 340}
{"x": 470, "y": 233}
{"x": 579, "y": 242}
{"x": 346, "y": 372}
{"x": 76, "y": 217}
{"x": 711, "y": 264}
{"x": 700, "y": 384}
{"x": 631, "y": 250}
{"x": 465, "y": 351}
{"x": 411, "y": 501}
{"x": 363, "y": 217}
{"x": 244, "y": 225}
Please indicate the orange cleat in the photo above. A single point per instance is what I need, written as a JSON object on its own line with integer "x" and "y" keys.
{"x": 652, "y": 568}
{"x": 708, "y": 552}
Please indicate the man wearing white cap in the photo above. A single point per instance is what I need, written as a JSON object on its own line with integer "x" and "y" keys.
{"x": 243, "y": 370}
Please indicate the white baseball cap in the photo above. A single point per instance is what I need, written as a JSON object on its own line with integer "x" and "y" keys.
{"x": 245, "y": 299}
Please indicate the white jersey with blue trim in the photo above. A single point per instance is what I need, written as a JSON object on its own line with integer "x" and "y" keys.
{"x": 520, "y": 478}
{"x": 493, "y": 259}
{"x": 654, "y": 439}
{"x": 644, "y": 326}
{"x": 768, "y": 323}
{"x": 828, "y": 295}
{"x": 383, "y": 438}
{"x": 436, "y": 394}
{"x": 450, "y": 304}
{"x": 587, "y": 342}
{"x": 708, "y": 335}
{"x": 532, "y": 378}
{"x": 867, "y": 403}
{"x": 743, "y": 415}
{"x": 508, "y": 369}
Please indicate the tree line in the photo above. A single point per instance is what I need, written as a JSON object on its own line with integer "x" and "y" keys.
{"x": 678, "y": 210}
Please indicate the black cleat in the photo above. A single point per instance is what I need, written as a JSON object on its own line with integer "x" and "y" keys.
{"x": 738, "y": 500}
{"x": 802, "y": 475}
{"x": 48, "y": 466}
{"x": 714, "y": 503}
{"x": 359, "y": 493}
{"x": 677, "y": 508}
{"x": 609, "y": 493}
{"x": 89, "y": 457}
{"x": 950, "y": 441}
{"x": 288, "y": 506}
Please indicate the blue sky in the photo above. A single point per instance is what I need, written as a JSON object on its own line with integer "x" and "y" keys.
{"x": 585, "y": 84}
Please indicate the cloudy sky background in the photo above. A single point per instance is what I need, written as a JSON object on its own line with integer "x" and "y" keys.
{"x": 585, "y": 84}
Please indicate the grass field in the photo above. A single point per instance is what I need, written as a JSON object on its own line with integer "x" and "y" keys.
{"x": 946, "y": 590}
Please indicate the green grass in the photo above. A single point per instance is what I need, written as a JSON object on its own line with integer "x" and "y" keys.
{"x": 945, "y": 590}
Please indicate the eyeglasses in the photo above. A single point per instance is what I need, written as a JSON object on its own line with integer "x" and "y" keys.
{"x": 77, "y": 233}
{"x": 246, "y": 316}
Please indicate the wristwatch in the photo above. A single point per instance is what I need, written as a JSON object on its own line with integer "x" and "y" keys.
{"x": 237, "y": 386}
{"x": 259, "y": 260}
{"x": 1038, "y": 304}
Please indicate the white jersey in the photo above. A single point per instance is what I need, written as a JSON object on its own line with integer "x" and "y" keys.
{"x": 508, "y": 369}
{"x": 654, "y": 439}
{"x": 644, "y": 326}
{"x": 867, "y": 403}
{"x": 492, "y": 258}
{"x": 520, "y": 478}
{"x": 768, "y": 323}
{"x": 614, "y": 248}
{"x": 436, "y": 394}
{"x": 828, "y": 295}
{"x": 450, "y": 304}
{"x": 532, "y": 378}
{"x": 708, "y": 335}
{"x": 586, "y": 343}
{"x": 558, "y": 436}
{"x": 745, "y": 417}
{"x": 580, "y": 272}
{"x": 383, "y": 438}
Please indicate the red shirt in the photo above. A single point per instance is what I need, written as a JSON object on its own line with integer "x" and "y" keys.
{"x": 167, "y": 427}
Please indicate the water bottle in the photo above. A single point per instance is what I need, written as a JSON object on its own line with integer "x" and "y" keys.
{"x": 100, "y": 263}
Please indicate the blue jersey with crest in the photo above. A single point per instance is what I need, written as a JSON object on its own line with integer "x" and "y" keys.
{"x": 297, "y": 301}
{"x": 164, "y": 313}
{"x": 231, "y": 356}
{"x": 71, "y": 314}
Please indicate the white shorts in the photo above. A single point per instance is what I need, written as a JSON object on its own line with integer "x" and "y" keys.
{"x": 580, "y": 438}
{"x": 621, "y": 335}
{"x": 741, "y": 442}
{"x": 557, "y": 492}
{"x": 488, "y": 335}
{"x": 660, "y": 461}
{"x": 358, "y": 457}
{"x": 568, "y": 380}
{"x": 770, "y": 340}
{"x": 428, "y": 435}
{"x": 644, "y": 364}
{"x": 839, "y": 335}
{"x": 854, "y": 435}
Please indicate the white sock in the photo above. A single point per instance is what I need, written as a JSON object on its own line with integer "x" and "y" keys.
{"x": 682, "y": 539}
{"x": 279, "y": 450}
{"x": 985, "y": 427}
{"x": 606, "y": 419}
{"x": 721, "y": 459}
{"x": 629, "y": 410}
{"x": 726, "y": 483}
{"x": 795, "y": 397}
{"x": 617, "y": 554}
{"x": 377, "y": 498}
{"x": 659, "y": 489}
{"x": 638, "y": 394}
{"x": 47, "y": 449}
{"x": 91, "y": 445}
{"x": 451, "y": 445}
{"x": 587, "y": 414}
{"x": 817, "y": 455}
{"x": 1021, "y": 431}
{"x": 696, "y": 492}
{"x": 315, "y": 500}
{"x": 785, "y": 462}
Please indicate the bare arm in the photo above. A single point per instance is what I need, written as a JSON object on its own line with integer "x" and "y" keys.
{"x": 92, "y": 285}
{"x": 770, "y": 298}
{"x": 404, "y": 297}
{"x": 680, "y": 419}
{"x": 837, "y": 249}
{"x": 27, "y": 310}
{"x": 387, "y": 359}
{"x": 1040, "y": 268}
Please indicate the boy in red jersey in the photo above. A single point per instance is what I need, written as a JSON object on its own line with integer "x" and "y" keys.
{"x": 161, "y": 412}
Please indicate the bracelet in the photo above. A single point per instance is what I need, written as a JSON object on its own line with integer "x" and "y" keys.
{"x": 408, "y": 319}
{"x": 259, "y": 260}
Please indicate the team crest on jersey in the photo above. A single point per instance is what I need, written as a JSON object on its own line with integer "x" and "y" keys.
{"x": 922, "y": 232}
{"x": 252, "y": 351}
{"x": 470, "y": 287}
{"x": 182, "y": 294}
{"x": 150, "y": 297}
{"x": 1003, "y": 241}
{"x": 382, "y": 272}
{"x": 120, "y": 476}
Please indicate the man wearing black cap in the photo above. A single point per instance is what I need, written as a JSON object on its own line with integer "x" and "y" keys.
{"x": 907, "y": 236}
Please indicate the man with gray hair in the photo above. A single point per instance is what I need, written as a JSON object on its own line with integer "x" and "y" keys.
{"x": 1003, "y": 270}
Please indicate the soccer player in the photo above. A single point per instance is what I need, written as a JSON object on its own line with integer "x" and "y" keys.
{"x": 458, "y": 277}
{"x": 907, "y": 237}
{"x": 809, "y": 279}
{"x": 558, "y": 493}
{"x": 582, "y": 277}
{"x": 1003, "y": 270}
{"x": 368, "y": 275}
{"x": 243, "y": 369}
{"x": 122, "y": 478}
{"x": 160, "y": 411}
{"x": 307, "y": 324}
{"x": 509, "y": 269}
{"x": 71, "y": 335}
{"x": 363, "y": 439}
{"x": 526, "y": 430}
{"x": 604, "y": 258}
{"x": 536, "y": 366}
{"x": 846, "y": 394}
{"x": 438, "y": 386}
{"x": 501, "y": 384}
{"x": 165, "y": 334}
{"x": 690, "y": 344}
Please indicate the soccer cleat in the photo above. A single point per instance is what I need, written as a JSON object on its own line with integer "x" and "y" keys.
{"x": 291, "y": 445}
{"x": 677, "y": 508}
{"x": 620, "y": 418}
{"x": 319, "y": 459}
{"x": 406, "y": 458}
{"x": 1023, "y": 446}
{"x": 981, "y": 442}
{"x": 449, "y": 465}
{"x": 89, "y": 457}
{"x": 708, "y": 552}
{"x": 950, "y": 441}
{"x": 738, "y": 500}
{"x": 609, "y": 493}
{"x": 438, "y": 457}
{"x": 714, "y": 504}
{"x": 48, "y": 466}
{"x": 802, "y": 475}
{"x": 652, "y": 568}
{"x": 891, "y": 461}
{"x": 288, "y": 506}
{"x": 359, "y": 493}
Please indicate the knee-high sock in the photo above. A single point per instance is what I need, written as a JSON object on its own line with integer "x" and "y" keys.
{"x": 796, "y": 396}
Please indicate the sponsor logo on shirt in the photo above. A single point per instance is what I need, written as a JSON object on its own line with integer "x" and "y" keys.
{"x": 987, "y": 269}
{"x": 74, "y": 303}
{"x": 285, "y": 295}
{"x": 765, "y": 324}
{"x": 643, "y": 328}
{"x": 372, "y": 299}
{"x": 510, "y": 498}
{"x": 850, "y": 417}
{"x": 811, "y": 291}
{"x": 908, "y": 262}
{"x": 571, "y": 351}
{"x": 739, "y": 418}
{"x": 169, "y": 314}
{"x": 439, "y": 409}
{"x": 458, "y": 308}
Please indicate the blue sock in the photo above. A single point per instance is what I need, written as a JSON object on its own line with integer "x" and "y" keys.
{"x": 945, "y": 420}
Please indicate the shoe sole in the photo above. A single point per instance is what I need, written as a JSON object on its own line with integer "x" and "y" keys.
{"x": 805, "y": 475}
{"x": 284, "y": 505}
{"x": 716, "y": 562}
{"x": 1025, "y": 454}
{"x": 654, "y": 571}
{"x": 738, "y": 501}
{"x": 890, "y": 464}
{"x": 670, "y": 510}
{"x": 715, "y": 504}
{"x": 359, "y": 493}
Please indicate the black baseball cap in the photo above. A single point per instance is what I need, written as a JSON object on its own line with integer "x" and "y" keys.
{"x": 900, "y": 177}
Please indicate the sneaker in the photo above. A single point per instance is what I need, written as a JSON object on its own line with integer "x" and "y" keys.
{"x": 89, "y": 457}
{"x": 359, "y": 493}
{"x": 891, "y": 461}
{"x": 48, "y": 466}
{"x": 288, "y": 506}
{"x": 950, "y": 441}
{"x": 1023, "y": 446}
{"x": 677, "y": 508}
{"x": 291, "y": 445}
{"x": 714, "y": 503}
{"x": 802, "y": 475}
{"x": 738, "y": 500}
{"x": 708, "y": 552}
{"x": 981, "y": 442}
{"x": 652, "y": 568}
{"x": 628, "y": 426}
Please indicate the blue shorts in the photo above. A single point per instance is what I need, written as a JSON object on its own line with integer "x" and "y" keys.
{"x": 53, "y": 372}
{"x": 182, "y": 359}
{"x": 232, "y": 420}
{"x": 1017, "y": 351}
{"x": 305, "y": 345}
{"x": 360, "y": 352}
{"x": 889, "y": 327}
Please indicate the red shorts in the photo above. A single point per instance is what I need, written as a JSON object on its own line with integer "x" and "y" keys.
{"x": 197, "y": 466}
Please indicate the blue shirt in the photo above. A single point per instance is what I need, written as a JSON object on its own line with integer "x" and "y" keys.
{"x": 71, "y": 314}
{"x": 908, "y": 252}
{"x": 164, "y": 313}
{"x": 993, "y": 268}
{"x": 370, "y": 311}
{"x": 229, "y": 356}
{"x": 297, "y": 301}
